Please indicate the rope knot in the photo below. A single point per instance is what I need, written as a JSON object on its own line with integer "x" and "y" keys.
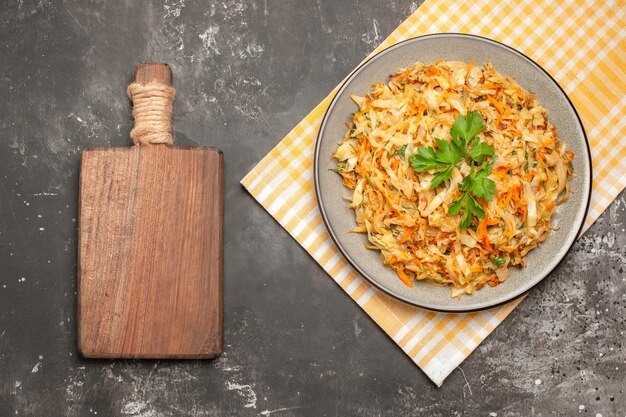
{"x": 152, "y": 110}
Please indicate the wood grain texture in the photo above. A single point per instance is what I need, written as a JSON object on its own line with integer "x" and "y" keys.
{"x": 147, "y": 72}
{"x": 150, "y": 265}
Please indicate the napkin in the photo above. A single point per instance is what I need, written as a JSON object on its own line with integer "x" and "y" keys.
{"x": 581, "y": 44}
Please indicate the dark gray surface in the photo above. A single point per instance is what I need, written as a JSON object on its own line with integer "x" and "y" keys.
{"x": 296, "y": 345}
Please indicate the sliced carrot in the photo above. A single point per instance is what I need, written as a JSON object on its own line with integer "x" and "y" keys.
{"x": 482, "y": 227}
{"x": 501, "y": 171}
{"x": 493, "y": 281}
{"x": 348, "y": 182}
{"x": 492, "y": 222}
{"x": 476, "y": 268}
{"x": 395, "y": 164}
{"x": 509, "y": 195}
{"x": 407, "y": 235}
{"x": 490, "y": 86}
{"x": 470, "y": 66}
{"x": 420, "y": 110}
{"x": 496, "y": 104}
{"x": 517, "y": 194}
{"x": 432, "y": 71}
{"x": 529, "y": 175}
{"x": 407, "y": 281}
{"x": 366, "y": 146}
{"x": 524, "y": 210}
{"x": 482, "y": 233}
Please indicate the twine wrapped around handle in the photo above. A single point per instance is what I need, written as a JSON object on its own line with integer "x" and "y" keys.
{"x": 152, "y": 110}
{"x": 153, "y": 96}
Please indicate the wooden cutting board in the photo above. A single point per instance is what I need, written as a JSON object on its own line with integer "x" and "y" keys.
{"x": 150, "y": 253}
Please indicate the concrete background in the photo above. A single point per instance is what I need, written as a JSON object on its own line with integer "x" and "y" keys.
{"x": 296, "y": 345}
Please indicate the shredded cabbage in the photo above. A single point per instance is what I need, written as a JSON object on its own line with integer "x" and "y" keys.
{"x": 407, "y": 221}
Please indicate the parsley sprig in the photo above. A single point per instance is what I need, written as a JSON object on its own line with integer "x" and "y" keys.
{"x": 465, "y": 146}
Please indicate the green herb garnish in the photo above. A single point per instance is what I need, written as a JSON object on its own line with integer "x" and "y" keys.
{"x": 447, "y": 155}
{"x": 467, "y": 127}
{"x": 465, "y": 145}
{"x": 498, "y": 261}
{"x": 478, "y": 183}
{"x": 470, "y": 208}
{"x": 526, "y": 160}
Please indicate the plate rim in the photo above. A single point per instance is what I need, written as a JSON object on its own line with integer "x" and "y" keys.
{"x": 348, "y": 258}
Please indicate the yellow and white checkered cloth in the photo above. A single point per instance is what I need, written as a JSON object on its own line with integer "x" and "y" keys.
{"x": 581, "y": 44}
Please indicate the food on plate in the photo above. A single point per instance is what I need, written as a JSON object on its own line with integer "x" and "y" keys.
{"x": 456, "y": 173}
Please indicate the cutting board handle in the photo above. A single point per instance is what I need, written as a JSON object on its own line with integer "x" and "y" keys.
{"x": 149, "y": 72}
{"x": 153, "y": 97}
